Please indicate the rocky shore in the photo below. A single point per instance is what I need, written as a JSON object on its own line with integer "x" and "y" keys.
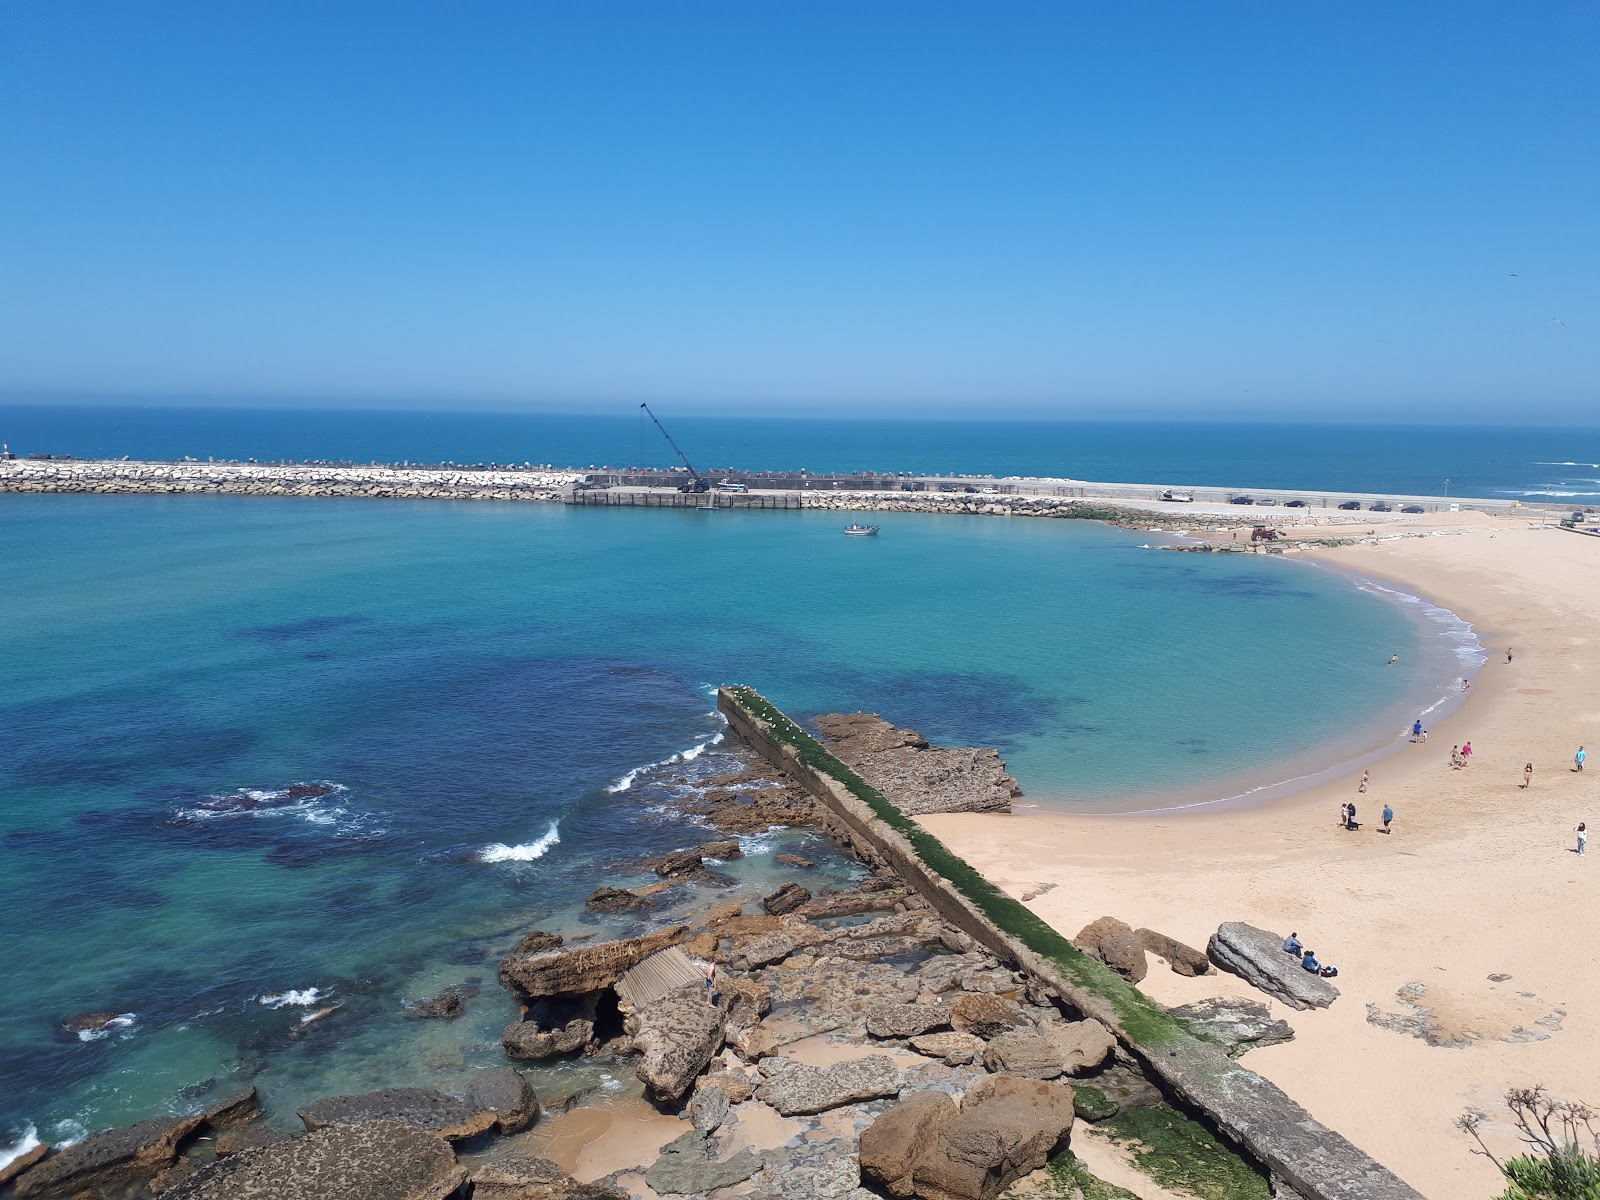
{"x": 798, "y": 1043}
{"x": 263, "y": 479}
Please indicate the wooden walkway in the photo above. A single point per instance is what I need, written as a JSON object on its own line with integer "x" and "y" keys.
{"x": 663, "y": 973}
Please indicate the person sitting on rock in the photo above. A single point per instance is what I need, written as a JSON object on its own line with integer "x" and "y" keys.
{"x": 1308, "y": 960}
{"x": 1291, "y": 945}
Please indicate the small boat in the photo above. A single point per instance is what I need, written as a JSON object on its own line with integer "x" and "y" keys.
{"x": 854, "y": 530}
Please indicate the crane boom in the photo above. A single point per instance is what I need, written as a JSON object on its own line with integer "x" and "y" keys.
{"x": 700, "y": 482}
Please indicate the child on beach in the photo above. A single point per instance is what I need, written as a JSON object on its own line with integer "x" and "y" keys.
{"x": 1583, "y": 837}
{"x": 1344, "y": 815}
{"x": 1456, "y": 760}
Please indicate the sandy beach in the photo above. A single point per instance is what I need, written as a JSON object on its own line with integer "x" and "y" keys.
{"x": 1477, "y": 895}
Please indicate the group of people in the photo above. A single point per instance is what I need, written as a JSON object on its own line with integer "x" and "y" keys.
{"x": 1460, "y": 754}
{"x": 1347, "y": 813}
{"x": 1308, "y": 958}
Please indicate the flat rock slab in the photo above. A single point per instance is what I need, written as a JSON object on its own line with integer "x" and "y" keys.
{"x": 380, "y": 1160}
{"x": 916, "y": 776}
{"x": 108, "y": 1157}
{"x": 1238, "y": 1024}
{"x": 676, "y": 1037}
{"x": 535, "y": 1179}
{"x": 1256, "y": 955}
{"x": 420, "y": 1108}
{"x": 795, "y": 1089}
{"x": 571, "y": 970}
{"x": 906, "y": 1020}
{"x": 685, "y": 1175}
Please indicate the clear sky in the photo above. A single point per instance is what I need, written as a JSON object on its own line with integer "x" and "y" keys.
{"x": 1068, "y": 208}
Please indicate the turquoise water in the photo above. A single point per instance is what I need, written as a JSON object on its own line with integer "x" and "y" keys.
{"x": 473, "y": 683}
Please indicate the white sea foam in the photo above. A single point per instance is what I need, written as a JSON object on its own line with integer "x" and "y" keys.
{"x": 120, "y": 1021}
{"x": 294, "y": 998}
{"x": 30, "y": 1141}
{"x": 1593, "y": 466}
{"x": 701, "y": 745}
{"x": 499, "y": 852}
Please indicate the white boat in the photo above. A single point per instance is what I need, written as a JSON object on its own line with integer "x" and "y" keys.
{"x": 854, "y": 530}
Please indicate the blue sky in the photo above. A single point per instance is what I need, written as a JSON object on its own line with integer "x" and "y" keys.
{"x": 1042, "y": 209}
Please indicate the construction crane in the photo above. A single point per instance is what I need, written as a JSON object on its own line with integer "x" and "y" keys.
{"x": 697, "y": 482}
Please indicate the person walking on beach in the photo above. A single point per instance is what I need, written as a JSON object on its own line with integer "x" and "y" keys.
{"x": 1583, "y": 838}
{"x": 1416, "y": 730}
{"x": 1350, "y": 818}
{"x": 1527, "y": 776}
{"x": 1578, "y": 758}
{"x": 1388, "y": 815}
{"x": 1365, "y": 775}
{"x": 1508, "y": 653}
{"x": 1466, "y": 752}
{"x": 1344, "y": 816}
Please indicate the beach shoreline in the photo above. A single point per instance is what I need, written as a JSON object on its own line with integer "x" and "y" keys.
{"x": 1420, "y": 921}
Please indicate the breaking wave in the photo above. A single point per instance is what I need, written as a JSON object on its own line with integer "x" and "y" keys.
{"x": 30, "y": 1141}
{"x": 301, "y": 998}
{"x": 682, "y": 756}
{"x": 499, "y": 852}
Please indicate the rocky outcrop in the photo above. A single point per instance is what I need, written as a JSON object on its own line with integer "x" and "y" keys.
{"x": 535, "y": 1179}
{"x": 537, "y": 941}
{"x": 388, "y": 1159}
{"x": 110, "y": 1157}
{"x": 1239, "y": 1025}
{"x": 246, "y": 1137}
{"x": 1005, "y": 1128}
{"x": 1184, "y": 960}
{"x": 688, "y": 1167}
{"x": 446, "y": 1006}
{"x": 786, "y": 899}
{"x": 794, "y": 1088}
{"x": 23, "y": 1162}
{"x": 918, "y": 777}
{"x": 906, "y": 1020}
{"x": 574, "y": 970}
{"x": 617, "y": 900}
{"x": 956, "y": 1049}
{"x": 1114, "y": 943}
{"x": 421, "y": 1108}
{"x": 987, "y": 1016}
{"x": 529, "y": 1041}
{"x": 506, "y": 1094}
{"x": 794, "y": 860}
{"x": 1067, "y": 1049}
{"x": 676, "y": 1037}
{"x": 1256, "y": 955}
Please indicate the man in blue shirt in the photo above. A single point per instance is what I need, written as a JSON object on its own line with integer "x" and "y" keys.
{"x": 1291, "y": 944}
{"x": 1310, "y": 963}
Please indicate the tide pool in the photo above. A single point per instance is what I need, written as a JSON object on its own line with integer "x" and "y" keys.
{"x": 263, "y": 756}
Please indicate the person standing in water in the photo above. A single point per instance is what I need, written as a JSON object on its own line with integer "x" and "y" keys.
{"x": 1365, "y": 775}
{"x": 1393, "y": 658}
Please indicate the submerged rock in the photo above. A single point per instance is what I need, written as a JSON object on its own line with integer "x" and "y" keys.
{"x": 421, "y": 1108}
{"x": 446, "y": 1006}
{"x": 1257, "y": 956}
{"x": 375, "y": 1160}
{"x": 786, "y": 899}
{"x": 617, "y": 900}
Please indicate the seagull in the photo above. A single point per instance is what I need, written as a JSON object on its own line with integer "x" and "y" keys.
{"x": 1514, "y": 275}
{"x": 1558, "y": 320}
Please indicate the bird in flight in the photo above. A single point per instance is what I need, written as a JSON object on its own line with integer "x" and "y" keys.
{"x": 1514, "y": 275}
{"x": 1558, "y": 320}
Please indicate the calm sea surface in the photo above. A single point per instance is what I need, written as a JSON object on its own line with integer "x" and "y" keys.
{"x": 477, "y": 686}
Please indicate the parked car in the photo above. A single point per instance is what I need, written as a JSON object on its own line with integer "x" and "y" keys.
{"x": 1241, "y": 500}
{"x": 1177, "y": 497}
{"x": 989, "y": 491}
{"x": 970, "y": 488}
{"x": 1295, "y": 504}
{"x": 1349, "y": 504}
{"x": 1379, "y": 506}
{"x": 1413, "y": 508}
{"x": 948, "y": 487}
{"x": 1266, "y": 502}
{"x": 1577, "y": 517}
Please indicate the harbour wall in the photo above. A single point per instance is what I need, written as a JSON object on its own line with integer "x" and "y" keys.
{"x": 1304, "y": 1157}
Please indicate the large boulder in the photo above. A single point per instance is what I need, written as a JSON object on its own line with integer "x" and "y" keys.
{"x": 607, "y": 899}
{"x": 1183, "y": 959}
{"x": 786, "y": 899}
{"x": 1114, "y": 943}
{"x": 530, "y": 1041}
{"x": 1256, "y": 955}
{"x": 573, "y": 970}
{"x": 1061, "y": 1049}
{"x": 916, "y": 776}
{"x": 535, "y": 1179}
{"x": 956, "y": 1049}
{"x": 112, "y": 1157}
{"x": 1005, "y": 1128}
{"x": 987, "y": 1016}
{"x": 676, "y": 1037}
{"x": 376, "y": 1160}
{"x": 507, "y": 1094}
{"x": 1239, "y": 1025}
{"x": 421, "y": 1108}
{"x": 796, "y": 1089}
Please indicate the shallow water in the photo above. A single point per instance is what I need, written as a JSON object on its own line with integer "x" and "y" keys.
{"x": 474, "y": 688}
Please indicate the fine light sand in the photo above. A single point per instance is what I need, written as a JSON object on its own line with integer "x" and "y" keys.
{"x": 1478, "y": 878}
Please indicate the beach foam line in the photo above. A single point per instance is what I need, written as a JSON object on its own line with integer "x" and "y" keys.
{"x": 294, "y": 998}
{"x": 499, "y": 852}
{"x": 29, "y": 1141}
{"x": 682, "y": 756}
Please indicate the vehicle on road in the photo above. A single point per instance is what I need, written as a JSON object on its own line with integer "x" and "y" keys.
{"x": 728, "y": 485}
{"x": 1295, "y": 504}
{"x": 1379, "y": 506}
{"x": 1413, "y": 508}
{"x": 1177, "y": 497}
{"x": 1241, "y": 500}
{"x": 1350, "y": 504}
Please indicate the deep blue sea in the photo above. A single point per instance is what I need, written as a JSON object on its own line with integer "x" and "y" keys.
{"x": 1559, "y": 465}
{"x": 475, "y": 689}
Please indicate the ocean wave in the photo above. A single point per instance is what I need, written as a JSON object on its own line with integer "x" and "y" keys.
{"x": 29, "y": 1141}
{"x": 294, "y": 998}
{"x": 106, "y": 1028}
{"x": 499, "y": 852}
{"x": 701, "y": 745}
{"x": 301, "y": 800}
{"x": 1553, "y": 492}
{"x": 1592, "y": 466}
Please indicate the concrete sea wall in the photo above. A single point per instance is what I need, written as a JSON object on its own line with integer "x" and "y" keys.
{"x": 1303, "y": 1156}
